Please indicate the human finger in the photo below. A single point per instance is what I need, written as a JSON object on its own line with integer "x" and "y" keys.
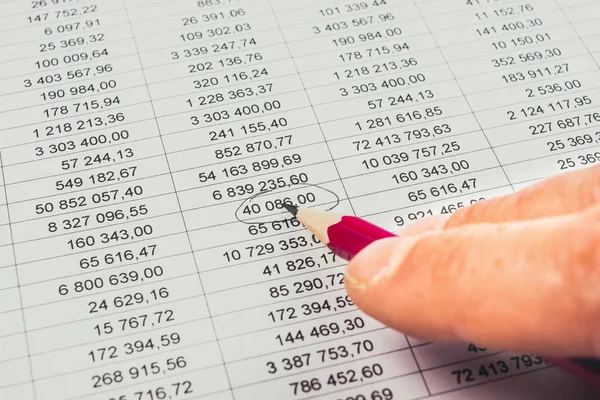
{"x": 511, "y": 286}
{"x": 560, "y": 195}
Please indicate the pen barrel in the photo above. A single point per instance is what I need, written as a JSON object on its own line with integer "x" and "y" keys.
{"x": 352, "y": 234}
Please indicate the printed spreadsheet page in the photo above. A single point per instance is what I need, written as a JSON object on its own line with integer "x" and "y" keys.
{"x": 146, "y": 148}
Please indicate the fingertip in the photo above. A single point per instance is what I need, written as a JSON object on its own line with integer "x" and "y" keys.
{"x": 508, "y": 286}
{"x": 371, "y": 281}
{"x": 385, "y": 283}
{"x": 378, "y": 260}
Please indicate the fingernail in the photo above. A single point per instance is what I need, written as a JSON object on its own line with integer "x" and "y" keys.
{"x": 378, "y": 260}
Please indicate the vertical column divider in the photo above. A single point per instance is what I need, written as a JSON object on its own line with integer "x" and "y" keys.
{"x": 178, "y": 200}
{"x": 311, "y": 107}
{"x": 463, "y": 94}
{"x": 12, "y": 245}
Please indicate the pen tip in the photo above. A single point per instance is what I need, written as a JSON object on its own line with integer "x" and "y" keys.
{"x": 291, "y": 208}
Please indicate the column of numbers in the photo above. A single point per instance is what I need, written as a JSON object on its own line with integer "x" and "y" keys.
{"x": 531, "y": 81}
{"x": 110, "y": 290}
{"x": 236, "y": 123}
{"x": 503, "y": 56}
{"x": 391, "y": 110}
{"x": 345, "y": 53}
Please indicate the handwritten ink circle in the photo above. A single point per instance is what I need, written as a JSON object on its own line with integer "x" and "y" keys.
{"x": 290, "y": 187}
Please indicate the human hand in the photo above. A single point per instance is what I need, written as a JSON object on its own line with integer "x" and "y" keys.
{"x": 519, "y": 272}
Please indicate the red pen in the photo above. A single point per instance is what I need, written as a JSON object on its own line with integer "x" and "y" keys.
{"x": 347, "y": 235}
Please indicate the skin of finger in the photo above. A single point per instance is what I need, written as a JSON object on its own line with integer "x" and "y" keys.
{"x": 564, "y": 194}
{"x": 516, "y": 286}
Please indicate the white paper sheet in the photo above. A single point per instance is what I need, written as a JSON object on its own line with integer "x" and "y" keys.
{"x": 146, "y": 147}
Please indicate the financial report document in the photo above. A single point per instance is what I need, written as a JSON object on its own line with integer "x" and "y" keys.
{"x": 147, "y": 147}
